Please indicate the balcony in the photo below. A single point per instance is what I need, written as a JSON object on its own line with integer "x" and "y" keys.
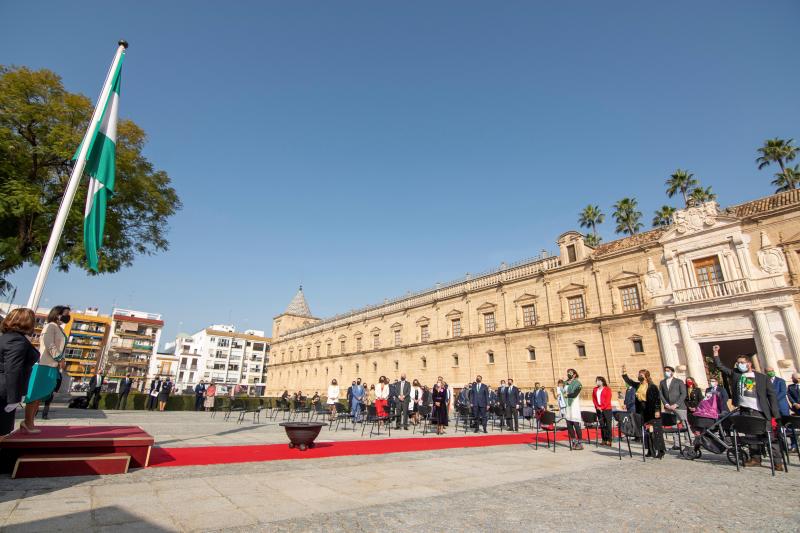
{"x": 712, "y": 291}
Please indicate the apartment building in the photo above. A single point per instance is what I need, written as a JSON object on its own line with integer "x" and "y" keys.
{"x": 132, "y": 345}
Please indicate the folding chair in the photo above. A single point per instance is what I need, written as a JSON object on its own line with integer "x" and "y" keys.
{"x": 590, "y": 421}
{"x": 547, "y": 424}
{"x": 627, "y": 426}
{"x": 747, "y": 429}
{"x": 790, "y": 424}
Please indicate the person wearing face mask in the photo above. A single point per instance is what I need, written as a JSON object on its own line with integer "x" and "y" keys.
{"x": 781, "y": 393}
{"x": 793, "y": 392}
{"x": 693, "y": 394}
{"x": 648, "y": 411}
{"x": 722, "y": 395}
{"x": 17, "y": 357}
{"x": 601, "y": 397}
{"x": 754, "y": 395}
{"x": 572, "y": 412}
{"x": 45, "y": 374}
{"x": 480, "y": 402}
{"x": 673, "y": 398}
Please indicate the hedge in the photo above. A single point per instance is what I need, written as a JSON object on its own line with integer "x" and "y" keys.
{"x": 178, "y": 402}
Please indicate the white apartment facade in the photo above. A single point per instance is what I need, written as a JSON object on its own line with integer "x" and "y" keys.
{"x": 132, "y": 345}
{"x": 220, "y": 354}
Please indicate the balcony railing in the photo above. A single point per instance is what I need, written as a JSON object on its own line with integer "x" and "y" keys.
{"x": 712, "y": 291}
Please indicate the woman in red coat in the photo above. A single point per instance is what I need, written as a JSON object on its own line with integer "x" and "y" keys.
{"x": 601, "y": 396}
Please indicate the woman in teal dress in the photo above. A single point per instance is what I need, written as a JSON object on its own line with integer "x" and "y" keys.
{"x": 44, "y": 375}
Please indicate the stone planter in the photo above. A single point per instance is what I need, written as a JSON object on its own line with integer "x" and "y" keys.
{"x": 302, "y": 434}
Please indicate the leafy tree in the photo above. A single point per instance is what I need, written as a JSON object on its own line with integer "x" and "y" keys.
{"x": 681, "y": 181}
{"x": 41, "y": 125}
{"x": 778, "y": 151}
{"x": 663, "y": 216}
{"x": 590, "y": 217}
{"x": 700, "y": 195}
{"x": 627, "y": 217}
{"x": 788, "y": 179}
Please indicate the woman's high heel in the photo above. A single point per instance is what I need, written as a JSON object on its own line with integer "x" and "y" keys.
{"x": 26, "y": 429}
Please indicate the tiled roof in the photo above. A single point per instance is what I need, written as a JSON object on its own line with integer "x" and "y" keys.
{"x": 768, "y": 203}
{"x": 629, "y": 242}
{"x": 298, "y": 306}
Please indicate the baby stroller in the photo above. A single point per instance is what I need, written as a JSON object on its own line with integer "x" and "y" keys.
{"x": 713, "y": 433}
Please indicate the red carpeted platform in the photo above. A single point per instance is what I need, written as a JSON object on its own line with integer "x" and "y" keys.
{"x": 212, "y": 455}
{"x": 76, "y": 441}
{"x": 71, "y": 464}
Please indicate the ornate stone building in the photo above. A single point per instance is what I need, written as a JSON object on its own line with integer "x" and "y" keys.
{"x": 659, "y": 297}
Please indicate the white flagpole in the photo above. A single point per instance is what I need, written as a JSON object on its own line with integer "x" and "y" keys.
{"x": 72, "y": 186}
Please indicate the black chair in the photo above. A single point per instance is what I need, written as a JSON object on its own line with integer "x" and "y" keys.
{"x": 747, "y": 429}
{"x": 341, "y": 415}
{"x": 629, "y": 426}
{"x": 672, "y": 425}
{"x": 216, "y": 407}
{"x": 463, "y": 415}
{"x": 425, "y": 418}
{"x": 255, "y": 410}
{"x": 790, "y": 424}
{"x": 373, "y": 419}
{"x": 320, "y": 410}
{"x": 547, "y": 425}
{"x": 498, "y": 417}
{"x": 590, "y": 421}
{"x": 234, "y": 406}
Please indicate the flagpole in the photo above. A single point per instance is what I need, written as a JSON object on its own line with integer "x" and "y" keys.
{"x": 72, "y": 186}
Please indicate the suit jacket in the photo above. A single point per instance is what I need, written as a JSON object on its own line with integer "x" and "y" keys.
{"x": 794, "y": 393}
{"x": 675, "y": 394}
{"x": 93, "y": 384}
{"x": 779, "y": 384}
{"x": 125, "y": 386}
{"x": 17, "y": 357}
{"x": 480, "y": 396}
{"x": 404, "y": 389}
{"x": 540, "y": 399}
{"x": 199, "y": 389}
{"x": 512, "y": 396}
{"x": 630, "y": 399}
{"x": 155, "y": 385}
{"x": 501, "y": 395}
{"x": 764, "y": 390}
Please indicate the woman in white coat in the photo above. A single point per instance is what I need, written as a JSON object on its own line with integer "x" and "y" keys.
{"x": 333, "y": 397}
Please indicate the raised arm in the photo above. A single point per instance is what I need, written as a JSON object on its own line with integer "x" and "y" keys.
{"x": 629, "y": 381}
{"x": 719, "y": 364}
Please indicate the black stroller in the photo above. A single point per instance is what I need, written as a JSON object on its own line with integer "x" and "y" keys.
{"x": 714, "y": 437}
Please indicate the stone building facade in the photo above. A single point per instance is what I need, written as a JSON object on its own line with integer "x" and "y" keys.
{"x": 654, "y": 298}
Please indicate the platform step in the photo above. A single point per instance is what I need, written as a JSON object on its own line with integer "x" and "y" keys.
{"x": 71, "y": 464}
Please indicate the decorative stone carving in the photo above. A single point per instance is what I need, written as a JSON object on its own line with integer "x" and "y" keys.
{"x": 653, "y": 280}
{"x": 694, "y": 219}
{"x": 771, "y": 257}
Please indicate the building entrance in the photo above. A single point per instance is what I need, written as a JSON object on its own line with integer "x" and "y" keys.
{"x": 729, "y": 351}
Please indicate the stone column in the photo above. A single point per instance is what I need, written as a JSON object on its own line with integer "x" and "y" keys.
{"x": 765, "y": 337}
{"x": 665, "y": 342}
{"x": 792, "y": 325}
{"x": 694, "y": 359}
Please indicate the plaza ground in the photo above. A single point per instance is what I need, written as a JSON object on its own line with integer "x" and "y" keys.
{"x": 468, "y": 489}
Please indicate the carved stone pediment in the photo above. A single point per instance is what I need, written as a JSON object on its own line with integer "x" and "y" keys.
{"x": 572, "y": 287}
{"x": 396, "y": 326}
{"x": 488, "y": 306}
{"x": 423, "y": 320}
{"x": 454, "y": 313}
{"x": 526, "y": 297}
{"x": 693, "y": 219}
{"x": 771, "y": 258}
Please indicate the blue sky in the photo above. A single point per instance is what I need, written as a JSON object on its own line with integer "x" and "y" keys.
{"x": 365, "y": 149}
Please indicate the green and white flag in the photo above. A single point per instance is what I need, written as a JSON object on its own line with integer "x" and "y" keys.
{"x": 100, "y": 166}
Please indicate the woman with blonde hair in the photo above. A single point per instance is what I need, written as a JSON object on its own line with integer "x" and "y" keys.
{"x": 17, "y": 357}
{"x": 45, "y": 374}
{"x": 648, "y": 409}
{"x": 333, "y": 397}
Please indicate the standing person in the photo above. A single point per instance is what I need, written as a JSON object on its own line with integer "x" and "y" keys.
{"x": 350, "y": 390}
{"x": 210, "y": 396}
{"x": 722, "y": 395}
{"x": 572, "y": 413}
{"x": 630, "y": 399}
{"x": 480, "y": 402}
{"x": 426, "y": 396}
{"x": 501, "y": 396}
{"x": 416, "y": 400}
{"x": 49, "y": 400}
{"x": 369, "y": 395}
{"x": 559, "y": 393}
{"x": 333, "y": 397}
{"x": 673, "y": 399}
{"x": 754, "y": 396}
{"x": 439, "y": 416}
{"x": 17, "y": 357}
{"x": 539, "y": 399}
{"x": 648, "y": 409}
{"x": 382, "y": 398}
{"x": 94, "y": 390}
{"x": 403, "y": 392}
{"x": 163, "y": 394}
{"x": 124, "y": 389}
{"x": 511, "y": 406}
{"x": 781, "y": 393}
{"x": 45, "y": 373}
{"x": 199, "y": 393}
{"x": 793, "y": 393}
{"x": 693, "y": 394}
{"x": 356, "y": 399}
{"x": 601, "y": 397}
{"x": 155, "y": 388}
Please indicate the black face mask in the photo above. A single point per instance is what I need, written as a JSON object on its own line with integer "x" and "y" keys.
{"x": 641, "y": 379}
{"x": 64, "y": 319}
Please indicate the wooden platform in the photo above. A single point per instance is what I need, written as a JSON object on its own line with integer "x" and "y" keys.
{"x": 71, "y": 464}
{"x": 72, "y": 442}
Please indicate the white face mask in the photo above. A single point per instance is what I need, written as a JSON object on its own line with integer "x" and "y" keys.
{"x": 742, "y": 367}
{"x": 713, "y": 384}
{"x": 599, "y": 383}
{"x": 668, "y": 374}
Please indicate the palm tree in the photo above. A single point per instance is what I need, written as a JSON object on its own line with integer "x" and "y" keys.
{"x": 663, "y": 216}
{"x": 590, "y": 217}
{"x": 592, "y": 240}
{"x": 681, "y": 181}
{"x": 776, "y": 151}
{"x": 627, "y": 217}
{"x": 700, "y": 195}
{"x": 788, "y": 180}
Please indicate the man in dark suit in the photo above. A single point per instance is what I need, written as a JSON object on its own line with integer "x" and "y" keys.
{"x": 93, "y": 393}
{"x": 199, "y": 391}
{"x": 480, "y": 401}
{"x": 673, "y": 398}
{"x": 793, "y": 392}
{"x": 124, "y": 389}
{"x": 539, "y": 398}
{"x": 781, "y": 393}
{"x": 403, "y": 392}
{"x": 152, "y": 399}
{"x": 754, "y": 395}
{"x": 350, "y": 390}
{"x": 511, "y": 403}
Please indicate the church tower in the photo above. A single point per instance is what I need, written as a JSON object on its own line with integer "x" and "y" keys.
{"x": 297, "y": 314}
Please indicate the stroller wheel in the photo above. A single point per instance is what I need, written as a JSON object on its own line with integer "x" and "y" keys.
{"x": 688, "y": 452}
{"x": 743, "y": 456}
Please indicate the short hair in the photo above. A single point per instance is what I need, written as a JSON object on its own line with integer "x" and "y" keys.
{"x": 667, "y": 367}
{"x": 56, "y": 312}
{"x": 21, "y": 320}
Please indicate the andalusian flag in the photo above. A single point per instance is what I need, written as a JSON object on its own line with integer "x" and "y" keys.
{"x": 100, "y": 169}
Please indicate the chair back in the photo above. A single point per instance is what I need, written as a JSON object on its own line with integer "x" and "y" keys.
{"x": 629, "y": 424}
{"x": 589, "y": 417}
{"x": 791, "y": 421}
{"x": 749, "y": 425}
{"x": 547, "y": 418}
{"x": 371, "y": 411}
{"x": 668, "y": 419}
{"x": 424, "y": 410}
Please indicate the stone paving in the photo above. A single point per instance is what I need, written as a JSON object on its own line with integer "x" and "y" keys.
{"x": 469, "y": 489}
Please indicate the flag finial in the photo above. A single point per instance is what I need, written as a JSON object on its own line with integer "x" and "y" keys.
{"x": 123, "y": 42}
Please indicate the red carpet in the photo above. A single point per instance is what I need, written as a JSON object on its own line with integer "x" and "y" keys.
{"x": 213, "y": 455}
